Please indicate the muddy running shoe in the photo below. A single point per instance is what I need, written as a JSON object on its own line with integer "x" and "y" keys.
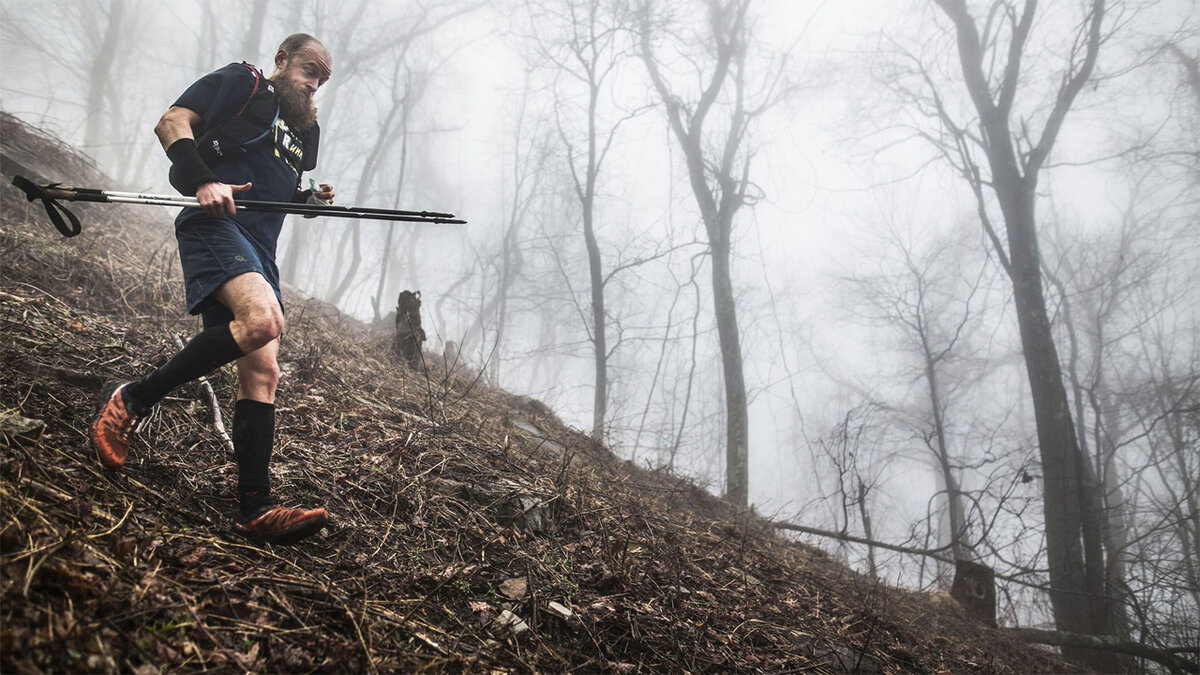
{"x": 113, "y": 426}
{"x": 277, "y": 524}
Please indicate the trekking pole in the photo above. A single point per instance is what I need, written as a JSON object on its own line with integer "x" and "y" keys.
{"x": 51, "y": 193}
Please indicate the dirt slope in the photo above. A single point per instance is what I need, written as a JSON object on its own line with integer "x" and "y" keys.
{"x": 472, "y": 530}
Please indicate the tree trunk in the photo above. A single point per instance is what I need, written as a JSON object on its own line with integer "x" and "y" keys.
{"x": 100, "y": 77}
{"x": 587, "y": 201}
{"x": 955, "y": 508}
{"x": 1074, "y": 542}
{"x": 586, "y": 39}
{"x": 1108, "y": 646}
{"x": 718, "y": 203}
{"x": 386, "y": 255}
{"x": 737, "y": 423}
{"x": 599, "y": 325}
{"x": 691, "y": 380}
{"x": 252, "y": 39}
{"x": 349, "y": 241}
{"x": 868, "y": 531}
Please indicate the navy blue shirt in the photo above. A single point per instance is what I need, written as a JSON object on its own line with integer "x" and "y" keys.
{"x": 273, "y": 165}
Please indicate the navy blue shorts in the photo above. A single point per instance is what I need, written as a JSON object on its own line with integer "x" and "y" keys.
{"x": 213, "y": 251}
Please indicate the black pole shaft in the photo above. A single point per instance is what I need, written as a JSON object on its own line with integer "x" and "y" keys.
{"x": 295, "y": 209}
{"x": 361, "y": 212}
{"x": 257, "y": 205}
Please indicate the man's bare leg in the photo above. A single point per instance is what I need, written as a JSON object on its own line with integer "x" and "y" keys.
{"x": 258, "y": 320}
{"x": 257, "y": 317}
{"x": 262, "y": 517}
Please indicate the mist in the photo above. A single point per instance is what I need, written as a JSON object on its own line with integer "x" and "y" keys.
{"x": 865, "y": 248}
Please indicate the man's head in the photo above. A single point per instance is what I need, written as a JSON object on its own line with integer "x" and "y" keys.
{"x": 302, "y": 65}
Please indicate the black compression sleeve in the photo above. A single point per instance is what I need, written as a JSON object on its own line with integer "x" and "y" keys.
{"x": 188, "y": 170}
{"x": 211, "y": 349}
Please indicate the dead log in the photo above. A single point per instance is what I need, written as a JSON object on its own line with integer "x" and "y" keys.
{"x": 1168, "y": 657}
{"x": 974, "y": 588}
{"x": 410, "y": 336}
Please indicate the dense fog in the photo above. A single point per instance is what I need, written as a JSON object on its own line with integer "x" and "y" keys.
{"x": 855, "y": 197}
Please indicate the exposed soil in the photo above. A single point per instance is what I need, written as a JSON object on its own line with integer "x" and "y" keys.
{"x": 472, "y": 531}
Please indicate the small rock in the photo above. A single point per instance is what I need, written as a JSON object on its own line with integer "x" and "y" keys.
{"x": 513, "y": 621}
{"x": 98, "y": 664}
{"x": 15, "y": 425}
{"x": 560, "y": 610}
{"x": 514, "y": 589}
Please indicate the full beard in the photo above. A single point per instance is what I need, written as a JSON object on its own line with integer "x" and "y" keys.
{"x": 295, "y": 108}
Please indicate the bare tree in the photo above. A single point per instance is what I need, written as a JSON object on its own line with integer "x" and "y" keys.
{"x": 1165, "y": 551}
{"x": 498, "y": 270}
{"x": 89, "y": 43}
{"x": 252, "y": 39}
{"x": 100, "y": 78}
{"x": 1014, "y": 154}
{"x": 1191, "y": 69}
{"x": 407, "y": 87}
{"x": 850, "y": 448}
{"x": 718, "y": 166}
{"x": 929, "y": 298}
{"x": 672, "y": 333}
{"x": 584, "y": 44}
{"x": 1126, "y": 301}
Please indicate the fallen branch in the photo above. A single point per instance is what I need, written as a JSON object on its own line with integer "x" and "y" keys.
{"x": 218, "y": 422}
{"x": 1108, "y": 643}
{"x": 935, "y": 553}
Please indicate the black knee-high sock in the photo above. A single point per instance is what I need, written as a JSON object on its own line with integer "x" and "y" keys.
{"x": 205, "y": 353}
{"x": 253, "y": 438}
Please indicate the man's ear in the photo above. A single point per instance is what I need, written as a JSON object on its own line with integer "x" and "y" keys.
{"x": 281, "y": 57}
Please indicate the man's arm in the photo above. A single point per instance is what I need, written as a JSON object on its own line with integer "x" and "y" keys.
{"x": 174, "y": 131}
{"x": 175, "y": 124}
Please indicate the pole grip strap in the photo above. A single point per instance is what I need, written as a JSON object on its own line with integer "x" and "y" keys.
{"x": 55, "y": 210}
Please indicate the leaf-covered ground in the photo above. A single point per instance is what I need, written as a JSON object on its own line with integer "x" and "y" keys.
{"x": 471, "y": 530}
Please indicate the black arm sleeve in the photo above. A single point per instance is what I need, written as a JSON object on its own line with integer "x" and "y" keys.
{"x": 188, "y": 170}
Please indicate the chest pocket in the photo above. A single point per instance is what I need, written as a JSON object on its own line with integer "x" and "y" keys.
{"x": 252, "y": 124}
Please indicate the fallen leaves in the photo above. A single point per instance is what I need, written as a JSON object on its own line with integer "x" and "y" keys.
{"x": 514, "y": 589}
{"x": 461, "y": 539}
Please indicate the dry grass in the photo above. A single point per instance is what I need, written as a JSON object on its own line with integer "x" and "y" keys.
{"x": 455, "y": 507}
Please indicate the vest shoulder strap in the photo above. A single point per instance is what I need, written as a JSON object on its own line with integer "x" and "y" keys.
{"x": 251, "y": 125}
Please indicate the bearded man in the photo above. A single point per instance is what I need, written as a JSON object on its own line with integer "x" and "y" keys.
{"x": 256, "y": 137}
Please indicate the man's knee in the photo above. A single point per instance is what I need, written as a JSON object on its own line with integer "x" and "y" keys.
{"x": 260, "y": 326}
{"x": 257, "y": 316}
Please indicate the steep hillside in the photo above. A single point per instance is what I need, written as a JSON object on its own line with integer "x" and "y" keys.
{"x": 471, "y": 530}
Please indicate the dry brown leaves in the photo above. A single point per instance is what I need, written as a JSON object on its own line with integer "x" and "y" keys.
{"x": 471, "y": 530}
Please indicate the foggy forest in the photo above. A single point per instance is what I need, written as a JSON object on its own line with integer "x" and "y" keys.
{"x": 916, "y": 280}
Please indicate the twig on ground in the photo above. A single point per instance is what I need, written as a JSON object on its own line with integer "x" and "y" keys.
{"x": 218, "y": 421}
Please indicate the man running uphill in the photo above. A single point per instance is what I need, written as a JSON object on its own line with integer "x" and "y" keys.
{"x": 234, "y": 132}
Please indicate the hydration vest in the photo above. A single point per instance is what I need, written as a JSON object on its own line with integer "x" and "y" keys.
{"x": 253, "y": 124}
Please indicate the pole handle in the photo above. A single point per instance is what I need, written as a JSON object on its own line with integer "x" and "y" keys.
{"x": 55, "y": 210}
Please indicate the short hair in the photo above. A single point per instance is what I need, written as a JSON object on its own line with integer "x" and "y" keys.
{"x": 297, "y": 41}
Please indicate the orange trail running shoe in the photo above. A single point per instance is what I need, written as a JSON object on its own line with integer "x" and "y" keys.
{"x": 277, "y": 524}
{"x": 113, "y": 426}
